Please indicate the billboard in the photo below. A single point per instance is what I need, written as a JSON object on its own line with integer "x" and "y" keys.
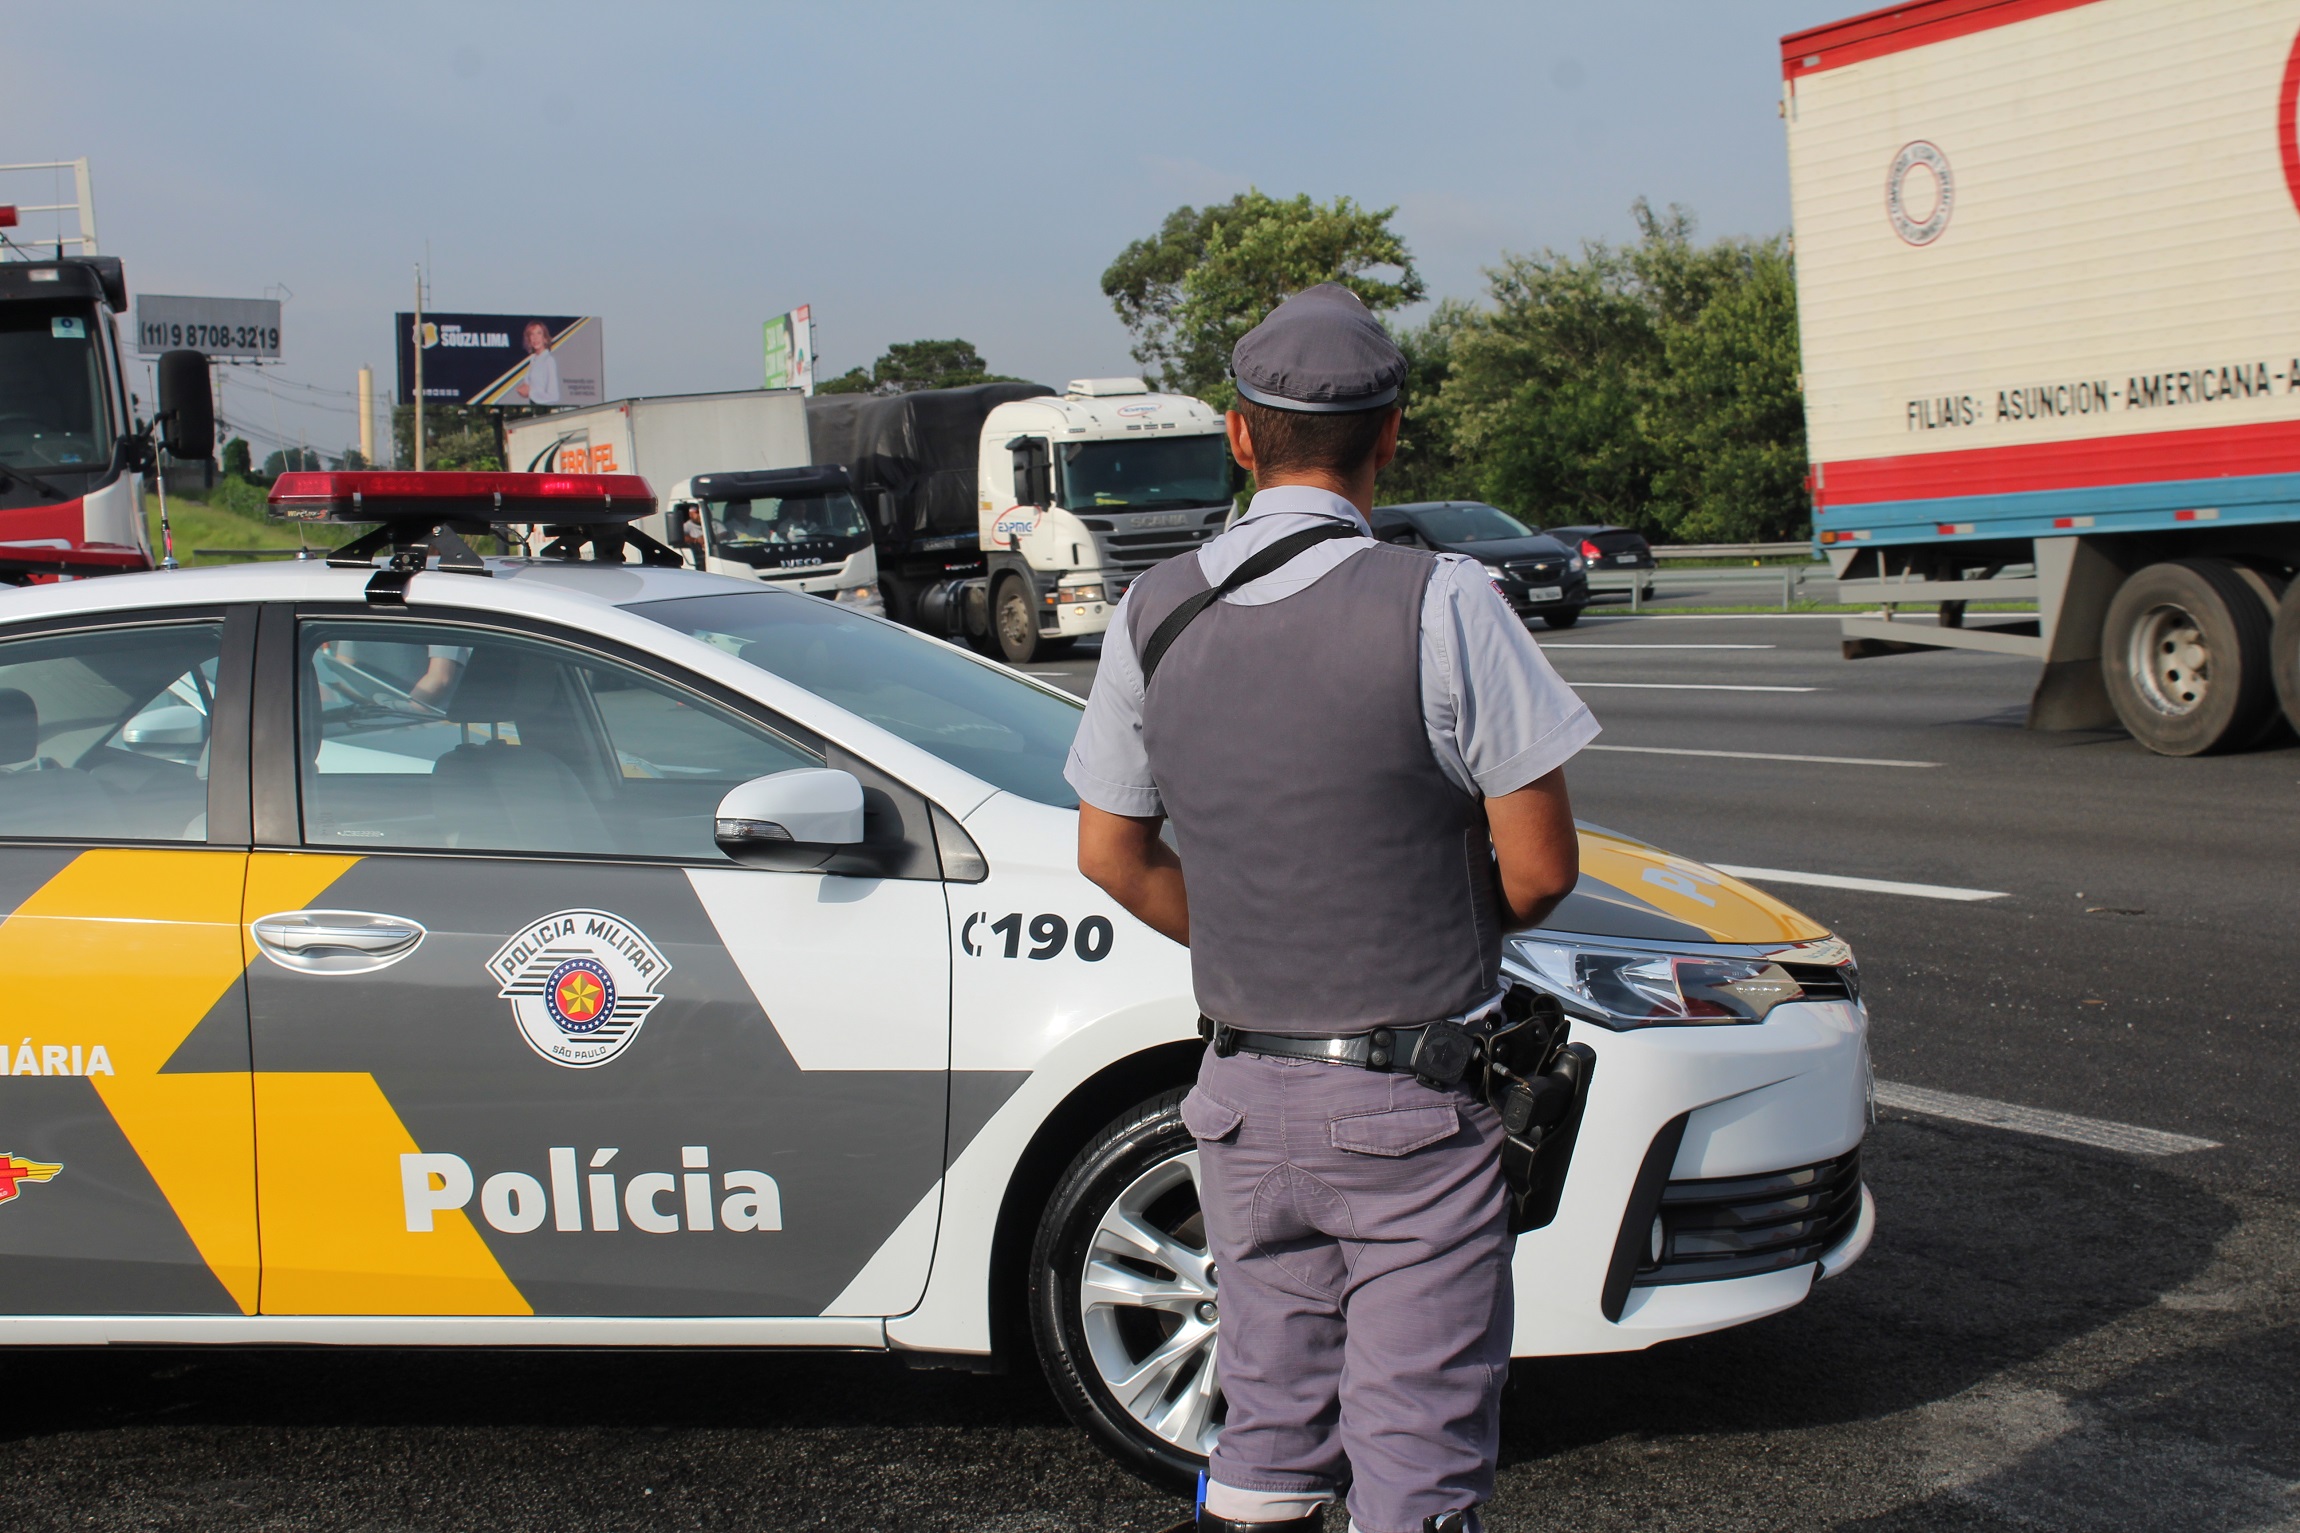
{"x": 239, "y": 329}
{"x": 503, "y": 359}
{"x": 791, "y": 350}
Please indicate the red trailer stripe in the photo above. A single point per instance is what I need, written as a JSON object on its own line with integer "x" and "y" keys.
{"x": 1898, "y": 28}
{"x": 2217, "y": 452}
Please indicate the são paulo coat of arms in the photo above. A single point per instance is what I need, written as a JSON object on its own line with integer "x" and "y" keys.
{"x": 581, "y": 984}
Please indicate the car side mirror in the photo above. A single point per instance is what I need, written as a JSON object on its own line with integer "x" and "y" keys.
{"x": 791, "y": 821}
{"x": 187, "y": 409}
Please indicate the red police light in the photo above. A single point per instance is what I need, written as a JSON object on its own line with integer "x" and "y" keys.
{"x": 453, "y": 496}
{"x": 7, "y": 215}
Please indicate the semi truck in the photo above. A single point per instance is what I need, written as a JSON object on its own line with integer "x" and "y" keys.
{"x": 1014, "y": 517}
{"x": 688, "y": 443}
{"x": 2048, "y": 294}
{"x": 72, "y": 452}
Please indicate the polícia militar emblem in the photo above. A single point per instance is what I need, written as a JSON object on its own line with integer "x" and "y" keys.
{"x": 580, "y": 983}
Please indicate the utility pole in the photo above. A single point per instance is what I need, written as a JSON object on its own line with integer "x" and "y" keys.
{"x": 419, "y": 369}
{"x": 367, "y": 417}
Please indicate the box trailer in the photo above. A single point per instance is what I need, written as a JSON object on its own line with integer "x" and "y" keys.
{"x": 2048, "y": 288}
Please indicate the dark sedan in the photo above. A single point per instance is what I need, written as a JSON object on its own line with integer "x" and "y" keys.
{"x": 1606, "y": 547}
{"x": 1540, "y": 576}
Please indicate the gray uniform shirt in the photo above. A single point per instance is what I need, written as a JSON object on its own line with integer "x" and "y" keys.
{"x": 1496, "y": 714}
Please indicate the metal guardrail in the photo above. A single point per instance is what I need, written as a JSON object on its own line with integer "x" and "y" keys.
{"x": 1790, "y": 579}
{"x": 1732, "y": 550}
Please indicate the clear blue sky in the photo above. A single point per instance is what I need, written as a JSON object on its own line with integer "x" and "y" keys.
{"x": 686, "y": 169}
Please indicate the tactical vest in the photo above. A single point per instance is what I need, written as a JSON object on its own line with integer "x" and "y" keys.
{"x": 1338, "y": 879}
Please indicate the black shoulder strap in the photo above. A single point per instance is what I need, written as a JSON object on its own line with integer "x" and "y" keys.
{"x": 1256, "y": 566}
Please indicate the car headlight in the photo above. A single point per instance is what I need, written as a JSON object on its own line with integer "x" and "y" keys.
{"x": 1574, "y": 563}
{"x": 1621, "y": 986}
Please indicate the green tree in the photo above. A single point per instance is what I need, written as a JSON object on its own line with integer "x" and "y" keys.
{"x": 909, "y": 365}
{"x": 1652, "y": 385}
{"x": 291, "y": 460}
{"x": 454, "y": 436}
{"x": 1428, "y": 467}
{"x": 1188, "y": 292}
{"x": 238, "y": 457}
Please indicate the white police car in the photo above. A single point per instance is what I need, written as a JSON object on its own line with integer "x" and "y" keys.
{"x": 563, "y": 952}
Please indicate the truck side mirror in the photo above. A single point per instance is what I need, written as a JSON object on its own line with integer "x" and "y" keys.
{"x": 187, "y": 409}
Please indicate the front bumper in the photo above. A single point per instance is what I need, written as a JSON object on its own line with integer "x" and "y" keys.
{"x": 1737, "y": 1111}
{"x": 1574, "y": 586}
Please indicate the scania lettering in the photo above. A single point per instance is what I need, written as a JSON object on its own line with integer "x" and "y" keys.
{"x": 2044, "y": 366}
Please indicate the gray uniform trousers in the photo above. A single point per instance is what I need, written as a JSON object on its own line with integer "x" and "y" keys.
{"x": 1359, "y": 1228}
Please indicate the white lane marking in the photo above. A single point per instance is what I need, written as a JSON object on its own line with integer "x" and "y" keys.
{"x": 1686, "y": 686}
{"x": 2097, "y": 1132}
{"x": 1554, "y": 645}
{"x": 1869, "y": 885}
{"x": 1719, "y": 617}
{"x": 1670, "y": 750}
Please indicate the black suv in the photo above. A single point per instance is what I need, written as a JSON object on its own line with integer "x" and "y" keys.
{"x": 1540, "y": 576}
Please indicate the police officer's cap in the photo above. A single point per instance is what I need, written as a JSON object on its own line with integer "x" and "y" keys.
{"x": 1319, "y": 351}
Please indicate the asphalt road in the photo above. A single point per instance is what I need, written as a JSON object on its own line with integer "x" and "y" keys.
{"x": 2044, "y": 1336}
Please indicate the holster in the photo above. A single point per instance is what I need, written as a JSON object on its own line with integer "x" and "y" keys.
{"x": 1530, "y": 1073}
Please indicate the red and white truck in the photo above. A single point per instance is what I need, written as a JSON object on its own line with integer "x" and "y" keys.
{"x": 2048, "y": 287}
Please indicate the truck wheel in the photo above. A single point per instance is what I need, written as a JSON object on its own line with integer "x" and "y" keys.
{"x": 2284, "y": 652}
{"x": 1565, "y": 617}
{"x": 1014, "y": 621}
{"x": 2185, "y": 654}
{"x": 1122, "y": 1295}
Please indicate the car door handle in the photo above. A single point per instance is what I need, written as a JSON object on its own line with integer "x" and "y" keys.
{"x": 336, "y": 941}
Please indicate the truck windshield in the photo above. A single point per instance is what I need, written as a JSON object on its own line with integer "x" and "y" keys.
{"x": 1009, "y": 733}
{"x": 1469, "y": 524}
{"x": 773, "y": 533}
{"x": 1146, "y": 474}
{"x": 51, "y": 389}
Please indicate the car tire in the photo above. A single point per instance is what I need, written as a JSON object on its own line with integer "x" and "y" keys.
{"x": 1014, "y": 621}
{"x": 2185, "y": 654}
{"x": 1564, "y": 619}
{"x": 1127, "y": 1208}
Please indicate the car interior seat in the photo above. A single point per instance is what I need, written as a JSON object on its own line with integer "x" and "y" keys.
{"x": 513, "y": 797}
{"x": 39, "y": 798}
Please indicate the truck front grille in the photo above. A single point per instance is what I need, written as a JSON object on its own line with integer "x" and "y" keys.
{"x": 1728, "y": 1227}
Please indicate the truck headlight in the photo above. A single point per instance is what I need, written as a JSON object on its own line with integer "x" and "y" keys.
{"x": 1621, "y": 987}
{"x": 1081, "y": 593}
{"x": 859, "y": 595}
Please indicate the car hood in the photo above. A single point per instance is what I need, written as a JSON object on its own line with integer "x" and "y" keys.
{"x": 1632, "y": 891}
{"x": 1499, "y": 550}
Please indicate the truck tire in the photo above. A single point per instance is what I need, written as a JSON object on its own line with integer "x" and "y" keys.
{"x": 2185, "y": 655}
{"x": 1122, "y": 1295}
{"x": 1014, "y": 621}
{"x": 2284, "y": 652}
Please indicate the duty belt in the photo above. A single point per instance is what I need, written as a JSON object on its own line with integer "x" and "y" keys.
{"x": 1439, "y": 1052}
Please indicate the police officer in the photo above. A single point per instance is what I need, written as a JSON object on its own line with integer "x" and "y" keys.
{"x": 1361, "y": 750}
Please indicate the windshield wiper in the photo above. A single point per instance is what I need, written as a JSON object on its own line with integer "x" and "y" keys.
{"x": 11, "y": 471}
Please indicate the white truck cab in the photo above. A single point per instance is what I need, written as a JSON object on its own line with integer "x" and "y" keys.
{"x": 1081, "y": 492}
{"x": 795, "y": 527}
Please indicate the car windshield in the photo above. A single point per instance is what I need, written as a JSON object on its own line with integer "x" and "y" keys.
{"x": 1469, "y": 524}
{"x": 51, "y": 389}
{"x": 1009, "y": 733}
{"x": 1146, "y": 474}
{"x": 767, "y": 530}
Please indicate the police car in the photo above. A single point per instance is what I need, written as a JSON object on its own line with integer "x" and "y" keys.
{"x": 549, "y": 950}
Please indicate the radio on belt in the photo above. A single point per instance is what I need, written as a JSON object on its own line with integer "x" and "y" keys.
{"x": 419, "y": 516}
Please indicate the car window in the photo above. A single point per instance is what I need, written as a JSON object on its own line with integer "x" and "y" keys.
{"x": 1009, "y": 733}
{"x": 104, "y": 733}
{"x": 1469, "y": 524}
{"x": 422, "y": 737}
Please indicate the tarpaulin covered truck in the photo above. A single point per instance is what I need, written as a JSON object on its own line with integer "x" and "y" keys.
{"x": 2048, "y": 287}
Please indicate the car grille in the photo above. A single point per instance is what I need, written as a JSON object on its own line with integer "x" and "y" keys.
{"x": 1826, "y": 982}
{"x": 1729, "y": 1227}
{"x": 1537, "y": 572}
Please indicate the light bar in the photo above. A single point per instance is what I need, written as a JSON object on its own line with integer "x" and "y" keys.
{"x": 455, "y": 496}
{"x": 7, "y": 215}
